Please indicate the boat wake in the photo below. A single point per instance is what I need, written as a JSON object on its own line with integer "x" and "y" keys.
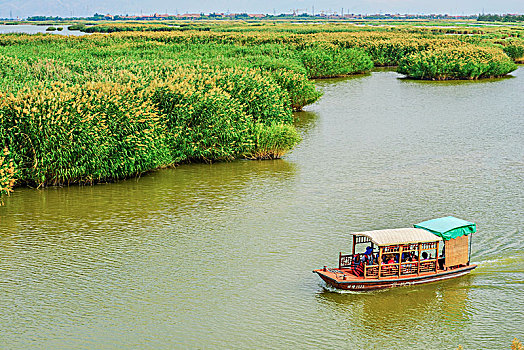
{"x": 329, "y": 289}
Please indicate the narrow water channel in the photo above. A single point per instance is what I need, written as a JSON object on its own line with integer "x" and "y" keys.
{"x": 35, "y": 29}
{"x": 220, "y": 256}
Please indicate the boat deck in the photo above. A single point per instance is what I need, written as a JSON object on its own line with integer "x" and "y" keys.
{"x": 345, "y": 275}
{"x": 344, "y": 279}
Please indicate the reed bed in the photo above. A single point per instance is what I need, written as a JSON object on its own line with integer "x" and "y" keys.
{"x": 81, "y": 134}
{"x": 104, "y": 107}
{"x": 457, "y": 63}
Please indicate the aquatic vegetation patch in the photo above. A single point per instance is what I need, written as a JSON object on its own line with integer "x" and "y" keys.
{"x": 471, "y": 62}
{"x": 274, "y": 140}
{"x": 326, "y": 61}
{"x": 300, "y": 90}
{"x": 514, "y": 49}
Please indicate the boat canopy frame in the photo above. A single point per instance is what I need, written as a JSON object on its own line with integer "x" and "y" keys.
{"x": 397, "y": 236}
{"x": 395, "y": 242}
{"x": 448, "y": 227}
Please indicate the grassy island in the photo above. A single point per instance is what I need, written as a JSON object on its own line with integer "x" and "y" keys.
{"x": 111, "y": 106}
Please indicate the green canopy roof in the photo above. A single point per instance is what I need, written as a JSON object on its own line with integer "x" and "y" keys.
{"x": 449, "y": 227}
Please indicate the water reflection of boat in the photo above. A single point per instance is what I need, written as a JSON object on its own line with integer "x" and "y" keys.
{"x": 403, "y": 317}
{"x": 405, "y": 256}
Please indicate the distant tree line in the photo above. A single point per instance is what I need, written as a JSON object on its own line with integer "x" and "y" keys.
{"x": 501, "y": 18}
{"x": 95, "y": 17}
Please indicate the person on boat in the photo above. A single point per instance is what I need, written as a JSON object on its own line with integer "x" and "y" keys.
{"x": 358, "y": 266}
{"x": 368, "y": 256}
{"x": 369, "y": 250}
{"x": 424, "y": 256}
{"x": 356, "y": 260}
{"x": 442, "y": 259}
{"x": 389, "y": 269}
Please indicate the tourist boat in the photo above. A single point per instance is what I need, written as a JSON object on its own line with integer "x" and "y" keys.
{"x": 432, "y": 250}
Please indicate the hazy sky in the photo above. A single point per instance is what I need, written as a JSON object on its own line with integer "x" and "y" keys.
{"x": 24, "y": 8}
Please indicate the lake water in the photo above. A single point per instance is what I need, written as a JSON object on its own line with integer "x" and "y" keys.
{"x": 220, "y": 255}
{"x": 33, "y": 29}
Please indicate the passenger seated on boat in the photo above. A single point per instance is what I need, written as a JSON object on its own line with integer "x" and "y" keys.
{"x": 424, "y": 256}
{"x": 390, "y": 269}
{"x": 356, "y": 260}
{"x": 358, "y": 266}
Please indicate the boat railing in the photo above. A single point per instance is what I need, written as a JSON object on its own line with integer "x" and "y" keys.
{"x": 370, "y": 271}
{"x": 406, "y": 268}
{"x": 428, "y": 265}
{"x": 389, "y": 270}
{"x": 409, "y": 268}
{"x": 345, "y": 261}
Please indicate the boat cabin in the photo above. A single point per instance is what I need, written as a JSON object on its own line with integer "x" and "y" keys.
{"x": 430, "y": 246}
{"x": 393, "y": 252}
{"x": 431, "y": 250}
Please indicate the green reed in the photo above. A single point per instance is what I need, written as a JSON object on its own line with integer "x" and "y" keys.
{"x": 104, "y": 107}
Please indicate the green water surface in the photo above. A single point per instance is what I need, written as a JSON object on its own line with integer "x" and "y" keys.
{"x": 220, "y": 255}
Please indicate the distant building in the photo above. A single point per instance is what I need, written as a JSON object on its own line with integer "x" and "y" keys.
{"x": 190, "y": 15}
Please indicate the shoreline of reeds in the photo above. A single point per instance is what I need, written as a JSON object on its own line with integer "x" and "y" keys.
{"x": 104, "y": 107}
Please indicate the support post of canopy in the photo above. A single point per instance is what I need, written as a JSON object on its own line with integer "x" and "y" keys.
{"x": 436, "y": 258}
{"x": 354, "y": 243}
{"x": 469, "y": 253}
{"x": 399, "y": 260}
{"x": 418, "y": 263}
{"x": 379, "y": 260}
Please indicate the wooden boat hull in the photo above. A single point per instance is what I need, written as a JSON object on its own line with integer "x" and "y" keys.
{"x": 361, "y": 284}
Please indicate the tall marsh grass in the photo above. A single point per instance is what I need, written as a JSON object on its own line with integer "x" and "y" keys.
{"x": 103, "y": 107}
{"x": 274, "y": 140}
{"x": 471, "y": 62}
